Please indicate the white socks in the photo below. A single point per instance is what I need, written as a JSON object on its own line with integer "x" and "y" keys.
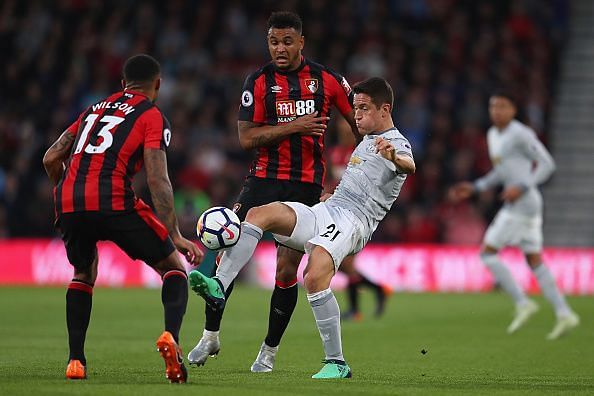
{"x": 235, "y": 258}
{"x": 327, "y": 313}
{"x": 549, "y": 289}
{"x": 504, "y": 277}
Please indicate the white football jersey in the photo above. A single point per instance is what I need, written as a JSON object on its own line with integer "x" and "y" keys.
{"x": 518, "y": 158}
{"x": 371, "y": 183}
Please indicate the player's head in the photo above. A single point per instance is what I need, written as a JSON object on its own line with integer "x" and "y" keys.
{"x": 143, "y": 73}
{"x": 285, "y": 41}
{"x": 502, "y": 108}
{"x": 373, "y": 103}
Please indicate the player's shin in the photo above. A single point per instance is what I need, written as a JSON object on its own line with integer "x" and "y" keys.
{"x": 79, "y": 301}
{"x": 282, "y": 305}
{"x": 234, "y": 259}
{"x": 549, "y": 289}
{"x": 504, "y": 277}
{"x": 327, "y": 314}
{"x": 174, "y": 295}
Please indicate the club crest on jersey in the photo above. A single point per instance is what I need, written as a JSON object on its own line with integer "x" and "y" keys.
{"x": 312, "y": 84}
{"x": 345, "y": 86}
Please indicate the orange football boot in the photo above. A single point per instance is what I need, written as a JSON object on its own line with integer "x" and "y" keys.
{"x": 76, "y": 370}
{"x": 175, "y": 371}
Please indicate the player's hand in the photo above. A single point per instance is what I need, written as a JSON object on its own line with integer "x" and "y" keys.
{"x": 189, "y": 249}
{"x": 325, "y": 196}
{"x": 385, "y": 149}
{"x": 310, "y": 124}
{"x": 461, "y": 191}
{"x": 512, "y": 193}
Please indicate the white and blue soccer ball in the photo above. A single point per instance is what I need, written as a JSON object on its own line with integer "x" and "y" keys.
{"x": 218, "y": 228}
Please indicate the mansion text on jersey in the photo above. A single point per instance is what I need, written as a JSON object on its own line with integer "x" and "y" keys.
{"x": 125, "y": 107}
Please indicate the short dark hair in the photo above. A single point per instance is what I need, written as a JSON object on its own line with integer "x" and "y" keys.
{"x": 507, "y": 94}
{"x": 285, "y": 20}
{"x": 141, "y": 68}
{"x": 378, "y": 89}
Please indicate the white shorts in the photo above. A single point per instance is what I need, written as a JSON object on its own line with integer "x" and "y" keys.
{"x": 508, "y": 229}
{"x": 335, "y": 229}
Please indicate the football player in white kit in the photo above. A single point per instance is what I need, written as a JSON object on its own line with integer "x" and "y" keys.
{"x": 514, "y": 149}
{"x": 333, "y": 229}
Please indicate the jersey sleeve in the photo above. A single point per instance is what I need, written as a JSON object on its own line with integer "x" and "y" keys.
{"x": 341, "y": 93}
{"x": 157, "y": 130}
{"x": 75, "y": 126}
{"x": 252, "y": 100}
{"x": 402, "y": 146}
{"x": 488, "y": 181}
{"x": 537, "y": 152}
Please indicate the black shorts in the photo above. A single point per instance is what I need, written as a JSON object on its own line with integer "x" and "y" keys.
{"x": 138, "y": 232}
{"x": 259, "y": 191}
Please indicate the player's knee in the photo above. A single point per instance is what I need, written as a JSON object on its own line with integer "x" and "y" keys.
{"x": 534, "y": 260}
{"x": 171, "y": 262}
{"x": 286, "y": 273}
{"x": 312, "y": 282}
{"x": 317, "y": 278}
{"x": 489, "y": 259}
{"x": 86, "y": 275}
{"x": 256, "y": 215}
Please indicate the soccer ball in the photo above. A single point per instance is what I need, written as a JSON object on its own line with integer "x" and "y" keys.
{"x": 218, "y": 228}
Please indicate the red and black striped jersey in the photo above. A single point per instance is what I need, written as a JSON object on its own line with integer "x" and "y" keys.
{"x": 110, "y": 138}
{"x": 272, "y": 96}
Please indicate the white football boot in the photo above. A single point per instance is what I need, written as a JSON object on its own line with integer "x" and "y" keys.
{"x": 207, "y": 346}
{"x": 564, "y": 324}
{"x": 523, "y": 313}
{"x": 265, "y": 360}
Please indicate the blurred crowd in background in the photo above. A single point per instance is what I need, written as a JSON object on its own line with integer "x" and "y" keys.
{"x": 443, "y": 58}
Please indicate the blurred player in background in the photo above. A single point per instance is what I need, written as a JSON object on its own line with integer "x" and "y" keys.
{"x": 514, "y": 150}
{"x": 331, "y": 230}
{"x": 284, "y": 111}
{"x": 339, "y": 157}
{"x": 92, "y": 165}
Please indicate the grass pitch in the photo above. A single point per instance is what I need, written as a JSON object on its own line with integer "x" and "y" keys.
{"x": 467, "y": 350}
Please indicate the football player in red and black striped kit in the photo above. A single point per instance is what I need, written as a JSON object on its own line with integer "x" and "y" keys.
{"x": 92, "y": 165}
{"x": 285, "y": 107}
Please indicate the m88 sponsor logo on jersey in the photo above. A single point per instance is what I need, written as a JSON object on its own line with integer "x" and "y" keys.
{"x": 288, "y": 110}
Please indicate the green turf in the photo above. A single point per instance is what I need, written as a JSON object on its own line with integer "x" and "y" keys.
{"x": 464, "y": 336}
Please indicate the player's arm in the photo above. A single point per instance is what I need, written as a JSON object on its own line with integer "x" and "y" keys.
{"x": 401, "y": 158}
{"x": 350, "y": 118}
{"x": 155, "y": 161}
{"x": 545, "y": 165}
{"x": 255, "y": 132}
{"x": 162, "y": 195}
{"x": 253, "y": 135}
{"x": 464, "y": 190}
{"x": 342, "y": 96}
{"x": 53, "y": 160}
